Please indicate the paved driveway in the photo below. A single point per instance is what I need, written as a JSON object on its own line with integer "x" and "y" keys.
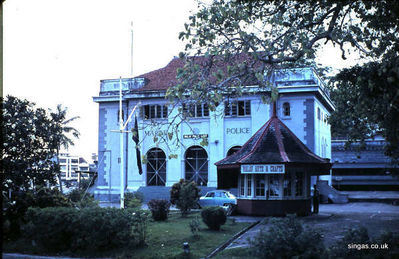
{"x": 334, "y": 219}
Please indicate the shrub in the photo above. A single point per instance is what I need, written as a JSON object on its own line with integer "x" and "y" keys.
{"x": 184, "y": 195}
{"x": 194, "y": 226}
{"x": 46, "y": 197}
{"x": 79, "y": 198}
{"x": 159, "y": 209}
{"x": 95, "y": 229}
{"x": 286, "y": 238}
{"x": 14, "y": 208}
{"x": 356, "y": 243}
{"x": 133, "y": 200}
{"x": 213, "y": 217}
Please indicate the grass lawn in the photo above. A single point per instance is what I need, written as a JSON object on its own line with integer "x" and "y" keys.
{"x": 164, "y": 240}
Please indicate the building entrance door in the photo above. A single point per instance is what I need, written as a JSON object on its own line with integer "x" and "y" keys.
{"x": 196, "y": 165}
{"x": 156, "y": 167}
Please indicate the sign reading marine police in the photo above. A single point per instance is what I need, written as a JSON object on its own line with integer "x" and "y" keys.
{"x": 263, "y": 169}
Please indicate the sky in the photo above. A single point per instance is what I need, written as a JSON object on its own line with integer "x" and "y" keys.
{"x": 57, "y": 51}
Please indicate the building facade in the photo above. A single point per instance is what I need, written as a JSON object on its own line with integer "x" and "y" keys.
{"x": 303, "y": 105}
{"x": 70, "y": 165}
{"x": 364, "y": 168}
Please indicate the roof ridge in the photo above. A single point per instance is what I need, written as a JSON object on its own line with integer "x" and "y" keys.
{"x": 279, "y": 140}
{"x": 258, "y": 141}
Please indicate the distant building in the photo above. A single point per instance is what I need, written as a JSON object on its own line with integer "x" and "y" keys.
{"x": 367, "y": 168}
{"x": 71, "y": 165}
{"x": 304, "y": 105}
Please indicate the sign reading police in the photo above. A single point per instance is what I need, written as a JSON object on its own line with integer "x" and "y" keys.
{"x": 263, "y": 169}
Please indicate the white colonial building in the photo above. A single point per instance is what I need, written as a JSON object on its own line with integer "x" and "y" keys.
{"x": 303, "y": 105}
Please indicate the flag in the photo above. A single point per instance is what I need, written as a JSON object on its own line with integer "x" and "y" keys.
{"x": 135, "y": 138}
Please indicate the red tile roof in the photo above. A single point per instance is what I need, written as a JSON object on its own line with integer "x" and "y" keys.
{"x": 163, "y": 78}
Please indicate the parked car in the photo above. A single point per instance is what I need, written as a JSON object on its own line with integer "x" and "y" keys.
{"x": 221, "y": 198}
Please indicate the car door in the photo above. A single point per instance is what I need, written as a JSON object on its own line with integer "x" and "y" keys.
{"x": 208, "y": 200}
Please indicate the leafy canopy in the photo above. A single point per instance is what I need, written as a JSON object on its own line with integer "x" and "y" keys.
{"x": 231, "y": 44}
{"x": 31, "y": 139}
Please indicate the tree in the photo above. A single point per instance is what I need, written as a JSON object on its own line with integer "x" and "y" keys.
{"x": 32, "y": 138}
{"x": 184, "y": 194}
{"x": 61, "y": 132}
{"x": 367, "y": 101}
{"x": 28, "y": 151}
{"x": 232, "y": 43}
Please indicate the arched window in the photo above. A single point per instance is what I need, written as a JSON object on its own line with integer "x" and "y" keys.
{"x": 156, "y": 167}
{"x": 286, "y": 109}
{"x": 196, "y": 165}
{"x": 233, "y": 150}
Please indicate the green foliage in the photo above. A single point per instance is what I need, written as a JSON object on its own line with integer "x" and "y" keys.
{"x": 232, "y": 44}
{"x": 286, "y": 238}
{"x": 80, "y": 199}
{"x": 133, "y": 200}
{"x": 367, "y": 100}
{"x": 214, "y": 217}
{"x": 70, "y": 229}
{"x": 14, "y": 208}
{"x": 194, "y": 226}
{"x": 159, "y": 209}
{"x": 184, "y": 195}
{"x": 28, "y": 146}
{"x": 356, "y": 243}
{"x": 46, "y": 197}
{"x": 356, "y": 236}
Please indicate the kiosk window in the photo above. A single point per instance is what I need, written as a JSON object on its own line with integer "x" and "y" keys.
{"x": 287, "y": 185}
{"x": 299, "y": 184}
{"x": 249, "y": 185}
{"x": 274, "y": 186}
{"x": 260, "y": 185}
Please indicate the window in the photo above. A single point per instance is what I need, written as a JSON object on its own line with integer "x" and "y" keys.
{"x": 249, "y": 185}
{"x": 196, "y": 110}
{"x": 274, "y": 185}
{"x": 287, "y": 185}
{"x": 286, "y": 109}
{"x": 74, "y": 161}
{"x": 260, "y": 185}
{"x": 62, "y": 160}
{"x": 155, "y": 111}
{"x": 237, "y": 108}
{"x": 156, "y": 167}
{"x": 299, "y": 184}
{"x": 242, "y": 185}
{"x": 210, "y": 195}
{"x": 318, "y": 113}
{"x": 233, "y": 150}
{"x": 196, "y": 165}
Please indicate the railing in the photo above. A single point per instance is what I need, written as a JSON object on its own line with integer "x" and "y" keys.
{"x": 111, "y": 85}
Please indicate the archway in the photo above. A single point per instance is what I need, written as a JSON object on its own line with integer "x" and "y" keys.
{"x": 232, "y": 150}
{"x": 196, "y": 165}
{"x": 156, "y": 167}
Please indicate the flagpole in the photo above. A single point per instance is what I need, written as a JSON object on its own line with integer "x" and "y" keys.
{"x": 122, "y": 187}
{"x": 131, "y": 52}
